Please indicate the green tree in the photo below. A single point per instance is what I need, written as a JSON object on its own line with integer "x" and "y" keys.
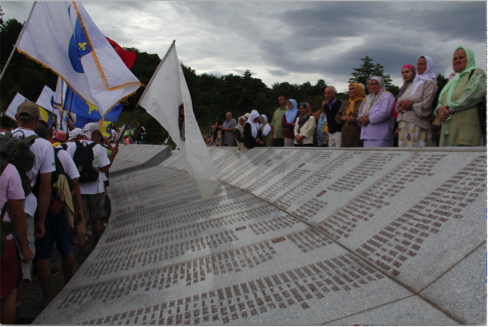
{"x": 22, "y": 74}
{"x": 368, "y": 70}
{"x": 1, "y": 16}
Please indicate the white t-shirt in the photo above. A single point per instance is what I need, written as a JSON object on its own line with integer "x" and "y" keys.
{"x": 68, "y": 163}
{"x": 100, "y": 153}
{"x": 10, "y": 189}
{"x": 44, "y": 163}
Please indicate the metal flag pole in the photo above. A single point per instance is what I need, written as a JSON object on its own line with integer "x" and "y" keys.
{"x": 15, "y": 46}
{"x": 147, "y": 86}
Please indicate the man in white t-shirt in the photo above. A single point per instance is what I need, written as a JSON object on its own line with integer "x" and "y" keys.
{"x": 92, "y": 193}
{"x": 28, "y": 117}
{"x": 57, "y": 228}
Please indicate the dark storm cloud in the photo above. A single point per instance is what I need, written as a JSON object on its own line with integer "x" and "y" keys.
{"x": 292, "y": 41}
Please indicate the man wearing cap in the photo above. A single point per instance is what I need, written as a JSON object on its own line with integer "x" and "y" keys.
{"x": 27, "y": 117}
{"x": 92, "y": 193}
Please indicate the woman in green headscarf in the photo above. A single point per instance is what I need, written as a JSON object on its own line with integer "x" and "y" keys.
{"x": 457, "y": 106}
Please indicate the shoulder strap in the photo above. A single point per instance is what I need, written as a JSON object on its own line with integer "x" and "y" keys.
{"x": 3, "y": 164}
{"x": 91, "y": 145}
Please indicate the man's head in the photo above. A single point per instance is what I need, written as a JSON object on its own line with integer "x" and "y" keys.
{"x": 28, "y": 115}
{"x": 76, "y": 135}
{"x": 41, "y": 131}
{"x": 138, "y": 124}
{"x": 282, "y": 100}
{"x": 330, "y": 93}
{"x": 49, "y": 130}
{"x": 228, "y": 116}
{"x": 323, "y": 104}
{"x": 60, "y": 136}
{"x": 91, "y": 132}
{"x": 4, "y": 123}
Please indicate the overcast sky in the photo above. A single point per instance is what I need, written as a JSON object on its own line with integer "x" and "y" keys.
{"x": 295, "y": 41}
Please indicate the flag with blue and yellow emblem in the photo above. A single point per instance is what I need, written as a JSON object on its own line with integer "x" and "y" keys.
{"x": 63, "y": 37}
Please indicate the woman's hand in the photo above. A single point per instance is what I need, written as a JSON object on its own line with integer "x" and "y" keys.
{"x": 406, "y": 105}
{"x": 364, "y": 120}
{"x": 444, "y": 113}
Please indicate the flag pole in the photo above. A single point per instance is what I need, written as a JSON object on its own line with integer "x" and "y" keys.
{"x": 15, "y": 46}
{"x": 147, "y": 86}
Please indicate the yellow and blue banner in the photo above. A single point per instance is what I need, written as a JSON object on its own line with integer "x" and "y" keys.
{"x": 76, "y": 105}
{"x": 45, "y": 115}
{"x": 62, "y": 37}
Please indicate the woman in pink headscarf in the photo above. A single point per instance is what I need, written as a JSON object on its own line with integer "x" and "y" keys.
{"x": 414, "y": 107}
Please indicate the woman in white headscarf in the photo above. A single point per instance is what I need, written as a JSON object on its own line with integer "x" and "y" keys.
{"x": 251, "y": 130}
{"x": 265, "y": 130}
{"x": 239, "y": 132}
{"x": 376, "y": 118}
{"x": 414, "y": 107}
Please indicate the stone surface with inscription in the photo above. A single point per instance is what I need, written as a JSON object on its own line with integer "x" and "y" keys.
{"x": 292, "y": 236}
{"x": 133, "y": 157}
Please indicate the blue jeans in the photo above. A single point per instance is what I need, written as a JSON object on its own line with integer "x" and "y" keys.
{"x": 140, "y": 142}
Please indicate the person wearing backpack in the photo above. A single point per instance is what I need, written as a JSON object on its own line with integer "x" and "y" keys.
{"x": 27, "y": 117}
{"x": 92, "y": 162}
{"x": 59, "y": 224}
{"x": 13, "y": 222}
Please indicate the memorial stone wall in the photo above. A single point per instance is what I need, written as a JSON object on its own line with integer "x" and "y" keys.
{"x": 292, "y": 236}
{"x": 134, "y": 157}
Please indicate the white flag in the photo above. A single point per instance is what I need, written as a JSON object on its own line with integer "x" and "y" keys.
{"x": 167, "y": 99}
{"x": 12, "y": 107}
{"x": 63, "y": 37}
{"x": 44, "y": 99}
{"x": 58, "y": 104}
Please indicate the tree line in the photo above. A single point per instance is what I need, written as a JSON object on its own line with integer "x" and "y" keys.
{"x": 212, "y": 96}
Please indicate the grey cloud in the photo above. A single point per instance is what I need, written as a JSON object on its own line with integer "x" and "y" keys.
{"x": 277, "y": 72}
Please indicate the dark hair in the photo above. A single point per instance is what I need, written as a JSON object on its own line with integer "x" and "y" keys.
{"x": 283, "y": 95}
{"x": 41, "y": 131}
{"x": 5, "y": 122}
{"x": 217, "y": 129}
{"x": 43, "y": 123}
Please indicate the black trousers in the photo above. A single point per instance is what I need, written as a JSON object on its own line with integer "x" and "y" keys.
{"x": 279, "y": 142}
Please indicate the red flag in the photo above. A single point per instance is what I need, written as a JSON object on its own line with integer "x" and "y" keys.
{"x": 127, "y": 57}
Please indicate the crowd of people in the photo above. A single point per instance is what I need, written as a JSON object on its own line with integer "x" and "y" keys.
{"x": 130, "y": 136}
{"x": 66, "y": 183}
{"x": 59, "y": 186}
{"x": 411, "y": 119}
